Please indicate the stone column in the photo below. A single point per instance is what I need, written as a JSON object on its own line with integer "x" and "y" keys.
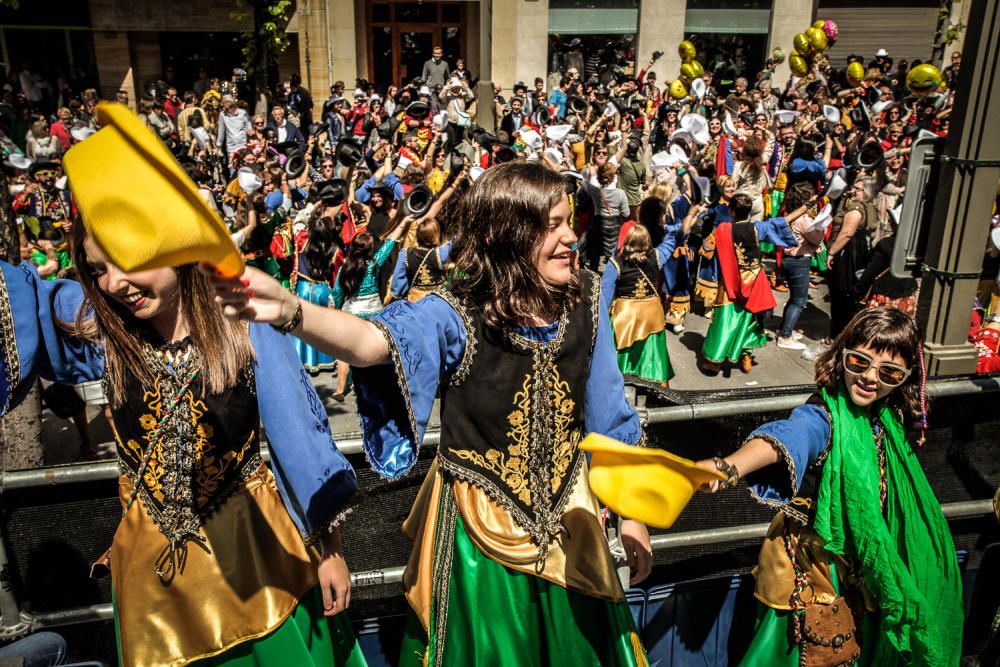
{"x": 114, "y": 64}
{"x": 520, "y": 41}
{"x": 344, "y": 65}
{"x": 963, "y": 202}
{"x": 788, "y": 17}
{"x": 661, "y": 28}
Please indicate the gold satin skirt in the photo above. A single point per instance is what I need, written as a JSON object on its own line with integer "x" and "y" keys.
{"x": 241, "y": 584}
{"x": 579, "y": 560}
{"x": 634, "y": 320}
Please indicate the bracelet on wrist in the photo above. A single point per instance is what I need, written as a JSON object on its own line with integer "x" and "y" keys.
{"x": 729, "y": 470}
{"x": 294, "y": 322}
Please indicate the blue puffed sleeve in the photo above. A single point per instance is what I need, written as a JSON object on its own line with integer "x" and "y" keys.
{"x": 776, "y": 231}
{"x": 315, "y": 480}
{"x": 31, "y": 341}
{"x": 608, "y": 282}
{"x": 605, "y": 409}
{"x": 400, "y": 281}
{"x": 800, "y": 439}
{"x": 665, "y": 250}
{"x": 426, "y": 342}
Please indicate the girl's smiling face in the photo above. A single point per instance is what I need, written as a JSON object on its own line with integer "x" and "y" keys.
{"x": 554, "y": 259}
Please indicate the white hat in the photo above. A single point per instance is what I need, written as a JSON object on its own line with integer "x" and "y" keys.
{"x": 610, "y": 109}
{"x": 697, "y": 126}
{"x": 572, "y": 173}
{"x": 475, "y": 173}
{"x": 728, "y": 126}
{"x": 18, "y": 161}
{"x": 881, "y": 106}
{"x": 404, "y": 162}
{"x": 786, "y": 117}
{"x": 837, "y": 184}
{"x": 831, "y": 113}
{"x": 925, "y": 134}
{"x": 358, "y": 92}
{"x": 441, "y": 119}
{"x": 896, "y": 213}
{"x": 557, "y": 132}
{"x": 248, "y": 180}
{"x": 995, "y": 237}
{"x": 201, "y": 135}
{"x": 662, "y": 160}
{"x": 61, "y": 182}
{"x": 682, "y": 134}
{"x": 454, "y": 82}
{"x": 679, "y": 154}
{"x": 531, "y": 139}
{"x": 424, "y": 90}
{"x": 881, "y": 53}
{"x": 554, "y": 155}
{"x": 81, "y": 133}
{"x": 704, "y": 185}
{"x": 822, "y": 219}
{"x": 698, "y": 88}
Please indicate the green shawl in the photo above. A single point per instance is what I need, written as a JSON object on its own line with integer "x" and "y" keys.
{"x": 907, "y": 559}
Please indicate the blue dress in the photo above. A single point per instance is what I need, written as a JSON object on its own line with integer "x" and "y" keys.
{"x": 317, "y": 292}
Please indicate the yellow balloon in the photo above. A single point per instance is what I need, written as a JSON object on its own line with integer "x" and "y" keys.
{"x": 855, "y": 73}
{"x": 798, "y": 65}
{"x": 801, "y": 44}
{"x": 686, "y": 51}
{"x": 688, "y": 72}
{"x": 817, "y": 39}
{"x": 678, "y": 90}
{"x": 699, "y": 71}
{"x": 924, "y": 80}
{"x": 819, "y": 24}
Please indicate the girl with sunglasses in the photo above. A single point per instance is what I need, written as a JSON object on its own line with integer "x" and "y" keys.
{"x": 858, "y": 564}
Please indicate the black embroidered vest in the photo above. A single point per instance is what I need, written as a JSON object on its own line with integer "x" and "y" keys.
{"x": 424, "y": 268}
{"x": 206, "y": 449}
{"x": 637, "y": 282}
{"x": 512, "y": 417}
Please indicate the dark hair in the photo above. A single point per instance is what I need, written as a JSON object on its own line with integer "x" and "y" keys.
{"x": 884, "y": 330}
{"x": 428, "y": 233}
{"x": 359, "y": 253}
{"x": 804, "y": 149}
{"x": 740, "y": 206}
{"x": 501, "y": 222}
{"x": 322, "y": 246}
{"x": 800, "y": 193}
{"x": 753, "y": 150}
{"x": 637, "y": 246}
{"x": 651, "y": 212}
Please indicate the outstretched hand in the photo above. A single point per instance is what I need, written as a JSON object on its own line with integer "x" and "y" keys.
{"x": 255, "y": 296}
{"x": 638, "y": 550}
{"x": 715, "y": 484}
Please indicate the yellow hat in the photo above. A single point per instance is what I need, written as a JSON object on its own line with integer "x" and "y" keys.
{"x": 643, "y": 483}
{"x": 138, "y": 203}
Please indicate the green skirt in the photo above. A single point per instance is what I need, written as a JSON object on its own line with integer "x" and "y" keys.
{"x": 498, "y": 617}
{"x": 306, "y": 638}
{"x": 732, "y": 331}
{"x": 647, "y": 359}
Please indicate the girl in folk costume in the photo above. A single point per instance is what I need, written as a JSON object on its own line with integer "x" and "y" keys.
{"x": 678, "y": 269}
{"x": 858, "y": 565}
{"x": 218, "y": 547}
{"x": 421, "y": 270}
{"x": 745, "y": 293}
{"x": 317, "y": 241}
{"x": 505, "y": 521}
{"x": 707, "y": 286}
{"x": 630, "y": 293}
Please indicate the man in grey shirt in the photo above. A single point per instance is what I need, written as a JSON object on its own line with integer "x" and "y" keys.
{"x": 233, "y": 126}
{"x": 436, "y": 70}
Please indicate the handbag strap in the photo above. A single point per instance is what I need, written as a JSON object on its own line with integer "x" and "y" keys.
{"x": 154, "y": 437}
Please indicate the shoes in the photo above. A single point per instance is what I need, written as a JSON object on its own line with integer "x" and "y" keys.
{"x": 797, "y": 335}
{"x": 746, "y": 363}
{"x": 677, "y": 328}
{"x": 708, "y": 313}
{"x": 790, "y": 344}
{"x": 339, "y": 396}
{"x": 781, "y": 287}
{"x": 710, "y": 368}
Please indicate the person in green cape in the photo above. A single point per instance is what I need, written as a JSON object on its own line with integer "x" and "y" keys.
{"x": 858, "y": 566}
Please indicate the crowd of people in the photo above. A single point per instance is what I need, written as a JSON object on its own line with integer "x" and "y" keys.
{"x": 696, "y": 205}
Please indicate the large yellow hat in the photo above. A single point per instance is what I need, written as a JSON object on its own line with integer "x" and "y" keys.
{"x": 138, "y": 203}
{"x": 643, "y": 483}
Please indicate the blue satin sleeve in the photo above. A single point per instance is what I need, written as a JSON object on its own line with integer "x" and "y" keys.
{"x": 400, "y": 281}
{"x": 800, "y": 439}
{"x": 426, "y": 342}
{"x": 31, "y": 341}
{"x": 776, "y": 231}
{"x": 608, "y": 282}
{"x": 605, "y": 409}
{"x": 315, "y": 480}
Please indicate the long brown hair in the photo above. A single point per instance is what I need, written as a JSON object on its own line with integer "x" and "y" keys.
{"x": 359, "y": 253}
{"x": 637, "y": 246}
{"x": 884, "y": 330}
{"x": 500, "y": 226}
{"x": 224, "y": 346}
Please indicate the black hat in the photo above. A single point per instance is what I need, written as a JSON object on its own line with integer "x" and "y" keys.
{"x": 520, "y": 85}
{"x": 456, "y": 162}
{"x": 505, "y": 154}
{"x": 860, "y": 117}
{"x": 43, "y": 166}
{"x": 418, "y": 110}
{"x": 316, "y": 129}
{"x": 485, "y": 139}
{"x": 332, "y": 192}
{"x": 348, "y": 153}
{"x": 871, "y": 154}
{"x": 285, "y": 146}
{"x": 417, "y": 201}
{"x": 576, "y": 104}
{"x": 295, "y": 163}
{"x": 873, "y": 95}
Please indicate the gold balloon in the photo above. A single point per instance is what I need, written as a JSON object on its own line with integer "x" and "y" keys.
{"x": 699, "y": 71}
{"x": 798, "y": 65}
{"x": 924, "y": 80}
{"x": 688, "y": 72}
{"x": 801, "y": 44}
{"x": 678, "y": 90}
{"x": 817, "y": 39}
{"x": 855, "y": 73}
{"x": 819, "y": 24}
{"x": 686, "y": 51}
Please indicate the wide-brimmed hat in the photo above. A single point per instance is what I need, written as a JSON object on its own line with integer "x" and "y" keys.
{"x": 831, "y": 113}
{"x": 418, "y": 110}
{"x": 786, "y": 117}
{"x": 557, "y": 132}
{"x": 81, "y": 133}
{"x": 679, "y": 154}
{"x": 838, "y": 184}
{"x": 643, "y": 483}
{"x": 697, "y": 126}
{"x": 348, "y": 153}
{"x": 248, "y": 180}
{"x": 18, "y": 161}
{"x": 127, "y": 182}
{"x": 698, "y": 88}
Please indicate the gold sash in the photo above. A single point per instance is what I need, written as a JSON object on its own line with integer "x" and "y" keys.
{"x": 634, "y": 320}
